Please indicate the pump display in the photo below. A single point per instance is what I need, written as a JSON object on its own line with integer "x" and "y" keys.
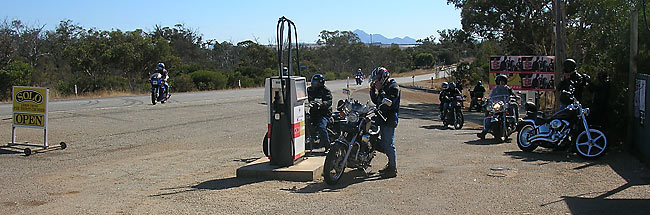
{"x": 285, "y": 96}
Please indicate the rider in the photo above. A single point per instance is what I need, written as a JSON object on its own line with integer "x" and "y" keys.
{"x": 160, "y": 68}
{"x": 321, "y": 111}
{"x": 381, "y": 87}
{"x": 478, "y": 92}
{"x": 573, "y": 83}
{"x": 501, "y": 89}
{"x": 358, "y": 77}
{"x": 449, "y": 91}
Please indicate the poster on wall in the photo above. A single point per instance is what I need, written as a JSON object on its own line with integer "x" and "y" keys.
{"x": 535, "y": 73}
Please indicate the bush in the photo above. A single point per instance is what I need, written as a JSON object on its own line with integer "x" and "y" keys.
{"x": 182, "y": 83}
{"x": 208, "y": 80}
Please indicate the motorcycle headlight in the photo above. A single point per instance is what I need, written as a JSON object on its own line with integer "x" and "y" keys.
{"x": 497, "y": 106}
{"x": 352, "y": 117}
{"x": 586, "y": 111}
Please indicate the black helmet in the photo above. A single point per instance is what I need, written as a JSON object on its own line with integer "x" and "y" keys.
{"x": 531, "y": 107}
{"x": 445, "y": 85}
{"x": 452, "y": 85}
{"x": 479, "y": 83}
{"x": 318, "y": 80}
{"x": 501, "y": 77}
{"x": 379, "y": 74}
{"x": 569, "y": 65}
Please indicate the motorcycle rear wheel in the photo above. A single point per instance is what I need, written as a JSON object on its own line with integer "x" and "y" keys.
{"x": 334, "y": 168}
{"x": 522, "y": 138}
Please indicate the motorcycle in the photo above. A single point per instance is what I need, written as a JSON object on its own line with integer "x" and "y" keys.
{"x": 566, "y": 128}
{"x": 358, "y": 142}
{"x": 478, "y": 101}
{"x": 159, "y": 91}
{"x": 502, "y": 113}
{"x": 454, "y": 113}
{"x": 312, "y": 138}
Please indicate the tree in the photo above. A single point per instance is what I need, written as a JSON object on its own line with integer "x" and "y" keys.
{"x": 424, "y": 60}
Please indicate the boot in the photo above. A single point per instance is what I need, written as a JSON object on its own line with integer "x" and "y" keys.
{"x": 481, "y": 135}
{"x": 388, "y": 172}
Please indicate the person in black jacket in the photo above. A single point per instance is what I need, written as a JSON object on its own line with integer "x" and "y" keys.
{"x": 320, "y": 112}
{"x": 385, "y": 93}
{"x": 573, "y": 83}
{"x": 448, "y": 93}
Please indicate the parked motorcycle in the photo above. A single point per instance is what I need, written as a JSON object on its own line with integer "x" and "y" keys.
{"x": 159, "y": 91}
{"x": 566, "y": 128}
{"x": 454, "y": 113}
{"x": 502, "y": 114}
{"x": 359, "y": 139}
{"x": 312, "y": 138}
{"x": 478, "y": 101}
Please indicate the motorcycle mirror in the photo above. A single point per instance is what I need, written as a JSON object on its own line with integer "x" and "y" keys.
{"x": 387, "y": 102}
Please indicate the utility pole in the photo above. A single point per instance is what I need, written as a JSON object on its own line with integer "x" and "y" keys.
{"x": 560, "y": 47}
{"x": 634, "y": 50}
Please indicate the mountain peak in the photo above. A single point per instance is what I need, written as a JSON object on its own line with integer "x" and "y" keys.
{"x": 378, "y": 38}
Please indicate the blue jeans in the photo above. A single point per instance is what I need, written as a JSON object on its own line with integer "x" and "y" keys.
{"x": 321, "y": 128}
{"x": 388, "y": 142}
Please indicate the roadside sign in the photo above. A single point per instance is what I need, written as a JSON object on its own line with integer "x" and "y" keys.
{"x": 30, "y": 106}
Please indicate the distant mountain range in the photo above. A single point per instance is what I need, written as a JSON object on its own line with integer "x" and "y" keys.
{"x": 378, "y": 38}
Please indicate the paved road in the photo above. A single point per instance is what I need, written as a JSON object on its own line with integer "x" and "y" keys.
{"x": 81, "y": 104}
{"x": 130, "y": 157}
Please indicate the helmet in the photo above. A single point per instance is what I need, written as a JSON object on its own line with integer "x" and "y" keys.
{"x": 379, "y": 75}
{"x": 359, "y": 70}
{"x": 445, "y": 85}
{"x": 318, "y": 80}
{"x": 452, "y": 85}
{"x": 479, "y": 83}
{"x": 160, "y": 67}
{"x": 569, "y": 65}
{"x": 501, "y": 77}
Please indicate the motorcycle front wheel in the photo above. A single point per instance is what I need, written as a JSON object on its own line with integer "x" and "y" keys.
{"x": 593, "y": 148}
{"x": 459, "y": 121}
{"x": 154, "y": 96}
{"x": 334, "y": 166}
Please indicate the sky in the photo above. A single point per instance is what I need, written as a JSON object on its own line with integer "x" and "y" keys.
{"x": 240, "y": 20}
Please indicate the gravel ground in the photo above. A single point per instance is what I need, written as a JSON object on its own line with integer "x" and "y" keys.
{"x": 181, "y": 157}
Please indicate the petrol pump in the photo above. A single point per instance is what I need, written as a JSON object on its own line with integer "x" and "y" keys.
{"x": 285, "y": 96}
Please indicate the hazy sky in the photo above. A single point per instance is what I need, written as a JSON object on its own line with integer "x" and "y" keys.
{"x": 243, "y": 19}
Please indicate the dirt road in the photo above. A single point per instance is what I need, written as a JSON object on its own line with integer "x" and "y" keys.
{"x": 181, "y": 157}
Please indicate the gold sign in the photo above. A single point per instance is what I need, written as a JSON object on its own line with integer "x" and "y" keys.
{"x": 30, "y": 106}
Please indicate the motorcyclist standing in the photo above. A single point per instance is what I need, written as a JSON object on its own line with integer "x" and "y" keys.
{"x": 382, "y": 88}
{"x": 478, "y": 92}
{"x": 501, "y": 89}
{"x": 448, "y": 93}
{"x": 573, "y": 83}
{"x": 321, "y": 110}
{"x": 358, "y": 77}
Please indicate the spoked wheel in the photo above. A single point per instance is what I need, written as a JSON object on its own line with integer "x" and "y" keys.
{"x": 460, "y": 120}
{"x": 504, "y": 130}
{"x": 334, "y": 166}
{"x": 591, "y": 148}
{"x": 522, "y": 138}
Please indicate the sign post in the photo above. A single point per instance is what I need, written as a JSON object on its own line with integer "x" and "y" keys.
{"x": 30, "y": 108}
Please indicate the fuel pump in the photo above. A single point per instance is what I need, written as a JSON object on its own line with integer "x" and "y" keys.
{"x": 285, "y": 96}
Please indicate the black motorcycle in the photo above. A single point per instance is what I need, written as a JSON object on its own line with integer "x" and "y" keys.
{"x": 358, "y": 142}
{"x": 502, "y": 114}
{"x": 565, "y": 129}
{"x": 454, "y": 112}
{"x": 312, "y": 139}
{"x": 478, "y": 101}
